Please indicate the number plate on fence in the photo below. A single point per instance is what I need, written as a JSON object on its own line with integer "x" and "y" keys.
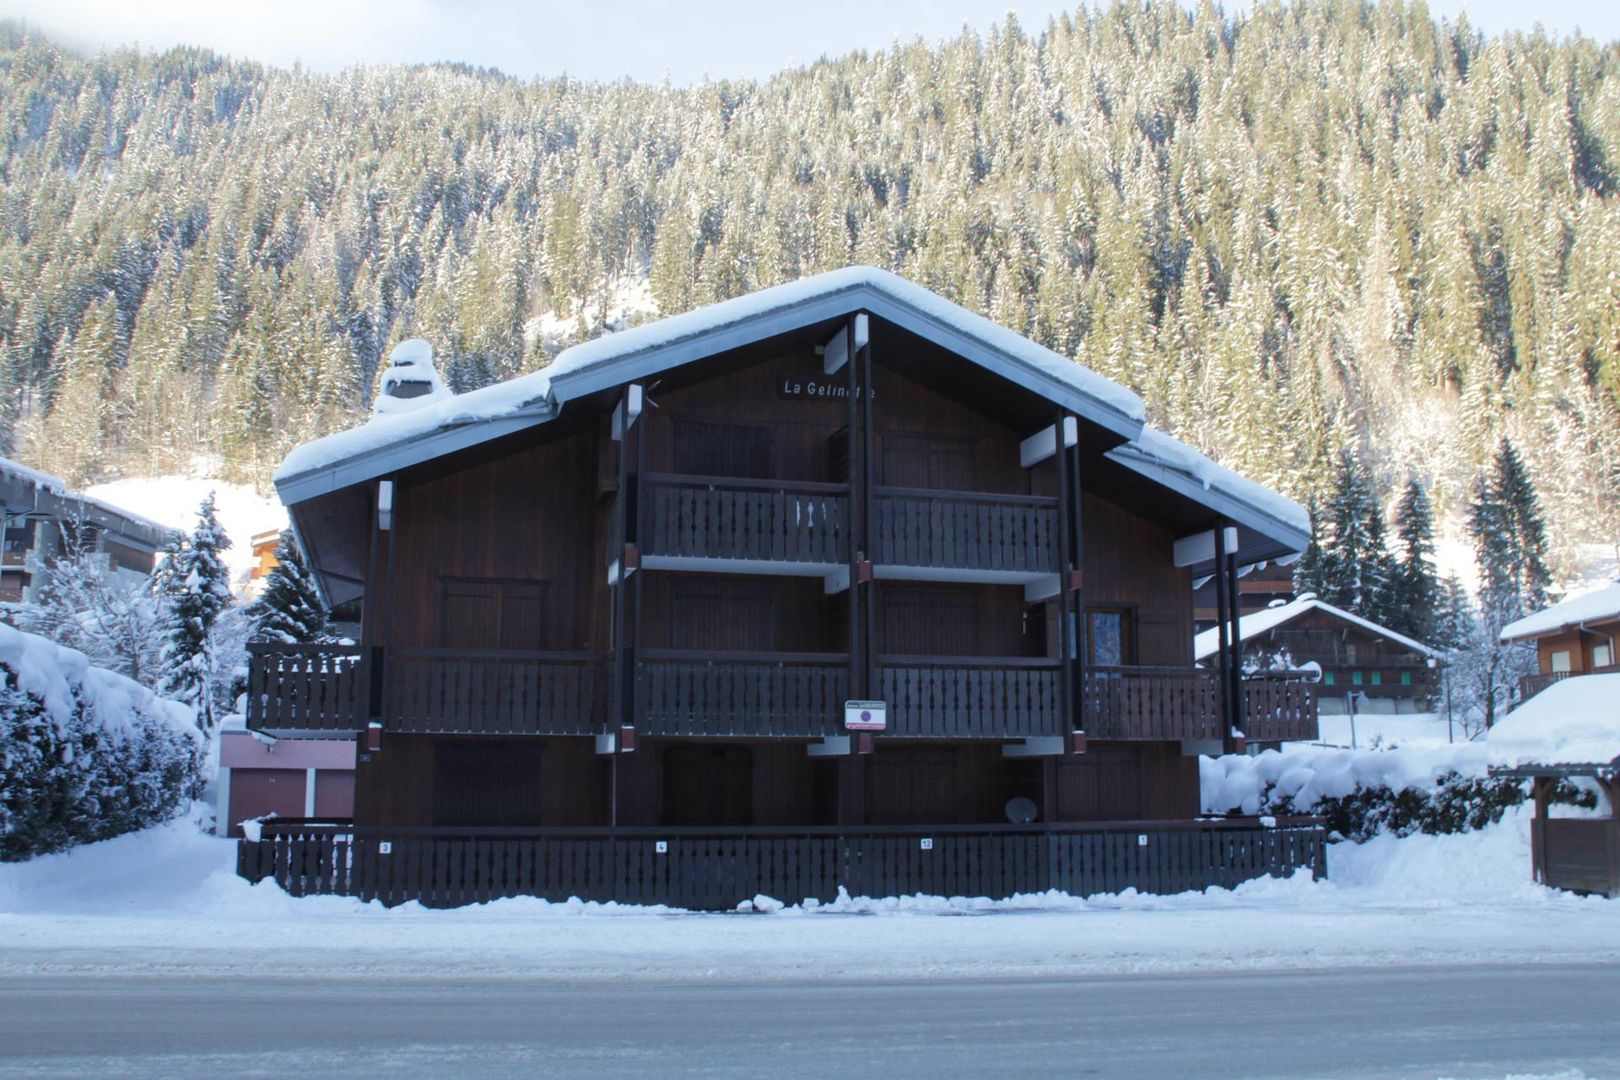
{"x": 384, "y": 847}
{"x": 1141, "y": 839}
{"x": 926, "y": 843}
{"x": 661, "y": 847}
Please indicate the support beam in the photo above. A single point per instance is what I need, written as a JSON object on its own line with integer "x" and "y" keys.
{"x": 835, "y": 581}
{"x": 1201, "y": 547}
{"x": 830, "y": 746}
{"x": 627, "y": 411}
{"x": 1035, "y": 746}
{"x": 1043, "y": 444}
{"x": 385, "y": 505}
{"x": 1042, "y": 588}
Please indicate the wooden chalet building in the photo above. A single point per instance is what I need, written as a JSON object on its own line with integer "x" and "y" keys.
{"x": 832, "y": 585}
{"x": 1579, "y": 636}
{"x": 1384, "y": 671}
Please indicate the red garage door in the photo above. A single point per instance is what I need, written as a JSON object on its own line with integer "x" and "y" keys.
{"x": 256, "y": 792}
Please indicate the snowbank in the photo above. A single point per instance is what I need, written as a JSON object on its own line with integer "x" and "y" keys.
{"x": 1572, "y": 722}
{"x": 1306, "y": 774}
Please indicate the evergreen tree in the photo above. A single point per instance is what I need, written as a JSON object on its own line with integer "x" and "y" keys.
{"x": 1416, "y": 598}
{"x": 1310, "y": 572}
{"x": 1510, "y": 540}
{"x": 289, "y": 610}
{"x": 1357, "y": 572}
{"x": 196, "y": 590}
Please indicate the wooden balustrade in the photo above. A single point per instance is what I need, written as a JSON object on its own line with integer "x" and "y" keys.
{"x": 1151, "y": 703}
{"x": 741, "y": 694}
{"x": 970, "y": 697}
{"x": 1279, "y": 710}
{"x": 314, "y": 688}
{"x": 496, "y": 693}
{"x": 717, "y": 868}
{"x": 1531, "y": 685}
{"x": 965, "y": 530}
{"x": 712, "y": 517}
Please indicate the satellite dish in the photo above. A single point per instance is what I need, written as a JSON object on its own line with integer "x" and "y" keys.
{"x": 1020, "y": 811}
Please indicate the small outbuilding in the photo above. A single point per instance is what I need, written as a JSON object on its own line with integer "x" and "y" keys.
{"x": 1569, "y": 730}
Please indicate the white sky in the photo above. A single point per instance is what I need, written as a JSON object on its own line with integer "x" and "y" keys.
{"x": 610, "y": 39}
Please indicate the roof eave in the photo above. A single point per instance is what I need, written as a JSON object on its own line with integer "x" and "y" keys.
{"x": 1225, "y": 504}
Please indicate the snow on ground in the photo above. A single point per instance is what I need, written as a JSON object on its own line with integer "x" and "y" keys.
{"x": 166, "y": 900}
{"x": 1418, "y": 730}
{"x": 173, "y": 501}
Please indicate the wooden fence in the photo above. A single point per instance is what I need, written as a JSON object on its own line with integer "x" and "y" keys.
{"x": 1151, "y": 703}
{"x": 315, "y": 688}
{"x": 723, "y": 518}
{"x": 965, "y": 530}
{"x": 1279, "y": 710}
{"x": 959, "y": 697}
{"x": 718, "y": 869}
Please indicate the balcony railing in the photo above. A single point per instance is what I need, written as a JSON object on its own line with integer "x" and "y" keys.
{"x": 307, "y": 688}
{"x": 1151, "y": 703}
{"x": 709, "y": 517}
{"x": 742, "y": 694}
{"x": 1531, "y": 685}
{"x": 965, "y": 530}
{"x": 961, "y": 697}
{"x": 496, "y": 693}
{"x": 1279, "y": 709}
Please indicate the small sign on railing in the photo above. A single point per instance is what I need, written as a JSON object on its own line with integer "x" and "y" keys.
{"x": 1141, "y": 839}
{"x": 661, "y": 847}
{"x": 385, "y": 847}
{"x": 926, "y": 843}
{"x": 866, "y": 716}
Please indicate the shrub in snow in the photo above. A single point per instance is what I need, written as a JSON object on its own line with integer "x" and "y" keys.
{"x": 1362, "y": 793}
{"x": 85, "y": 754}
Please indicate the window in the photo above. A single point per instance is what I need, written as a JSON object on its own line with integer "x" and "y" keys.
{"x": 479, "y": 613}
{"x": 1406, "y": 678}
{"x": 716, "y": 448}
{"x": 1112, "y": 641}
{"x": 1378, "y": 678}
{"x": 1327, "y": 678}
{"x": 1355, "y": 678}
{"x": 1559, "y": 661}
{"x": 1602, "y": 655}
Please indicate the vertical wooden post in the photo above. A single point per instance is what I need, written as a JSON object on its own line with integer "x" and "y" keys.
{"x": 1234, "y": 601}
{"x": 1081, "y": 631}
{"x": 852, "y": 768}
{"x": 868, "y": 604}
{"x": 1070, "y": 703}
{"x": 1223, "y": 652}
{"x": 1540, "y": 792}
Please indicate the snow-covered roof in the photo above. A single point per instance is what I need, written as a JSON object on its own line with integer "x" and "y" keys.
{"x": 1175, "y": 464}
{"x": 1575, "y": 721}
{"x": 16, "y": 470}
{"x": 57, "y": 489}
{"x": 388, "y": 443}
{"x": 1600, "y": 605}
{"x": 1207, "y": 643}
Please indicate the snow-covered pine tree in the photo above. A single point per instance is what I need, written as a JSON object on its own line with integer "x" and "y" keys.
{"x": 289, "y": 610}
{"x": 1357, "y": 570}
{"x": 1310, "y": 571}
{"x": 1509, "y": 538}
{"x": 196, "y": 589}
{"x": 1416, "y": 596}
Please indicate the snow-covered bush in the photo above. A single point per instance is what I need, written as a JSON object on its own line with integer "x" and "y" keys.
{"x": 1362, "y": 793}
{"x": 85, "y": 754}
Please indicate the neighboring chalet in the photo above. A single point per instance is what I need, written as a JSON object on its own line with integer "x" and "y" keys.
{"x": 1389, "y": 672}
{"x": 43, "y": 519}
{"x": 1576, "y": 637}
{"x": 832, "y": 585}
{"x": 1569, "y": 730}
{"x": 1259, "y": 587}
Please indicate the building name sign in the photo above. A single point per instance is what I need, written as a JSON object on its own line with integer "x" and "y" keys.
{"x": 814, "y": 388}
{"x": 866, "y": 716}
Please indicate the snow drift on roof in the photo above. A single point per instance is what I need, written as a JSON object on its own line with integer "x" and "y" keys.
{"x": 1206, "y": 644}
{"x": 1158, "y": 448}
{"x": 1573, "y": 722}
{"x": 1596, "y": 606}
{"x": 14, "y": 470}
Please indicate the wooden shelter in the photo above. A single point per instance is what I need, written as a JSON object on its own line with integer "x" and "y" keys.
{"x": 832, "y": 585}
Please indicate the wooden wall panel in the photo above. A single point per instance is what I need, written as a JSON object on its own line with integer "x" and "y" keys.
{"x": 400, "y": 785}
{"x": 1129, "y": 564}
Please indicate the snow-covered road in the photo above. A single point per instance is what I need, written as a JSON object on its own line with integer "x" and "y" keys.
{"x": 166, "y": 902}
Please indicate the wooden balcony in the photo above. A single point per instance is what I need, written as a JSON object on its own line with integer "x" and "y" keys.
{"x": 709, "y": 517}
{"x": 1279, "y": 710}
{"x": 306, "y": 688}
{"x": 1148, "y": 704}
{"x": 964, "y": 697}
{"x": 433, "y": 691}
{"x": 716, "y": 868}
{"x": 959, "y": 530}
{"x": 742, "y": 694}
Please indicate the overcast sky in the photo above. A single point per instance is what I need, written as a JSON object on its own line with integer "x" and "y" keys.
{"x": 610, "y": 39}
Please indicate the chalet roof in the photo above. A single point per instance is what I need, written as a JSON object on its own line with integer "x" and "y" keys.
{"x": 386, "y": 444}
{"x": 1600, "y": 605}
{"x": 1207, "y": 643}
{"x": 47, "y": 494}
{"x": 1574, "y": 722}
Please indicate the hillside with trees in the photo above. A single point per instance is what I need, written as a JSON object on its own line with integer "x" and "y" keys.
{"x": 1303, "y": 231}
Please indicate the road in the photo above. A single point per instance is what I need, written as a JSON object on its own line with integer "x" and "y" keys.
{"x": 1418, "y": 1022}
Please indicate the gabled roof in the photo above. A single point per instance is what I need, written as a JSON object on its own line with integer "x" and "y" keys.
{"x": 1573, "y": 722}
{"x": 1207, "y": 643}
{"x": 23, "y": 489}
{"x": 1600, "y": 605}
{"x": 388, "y": 443}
